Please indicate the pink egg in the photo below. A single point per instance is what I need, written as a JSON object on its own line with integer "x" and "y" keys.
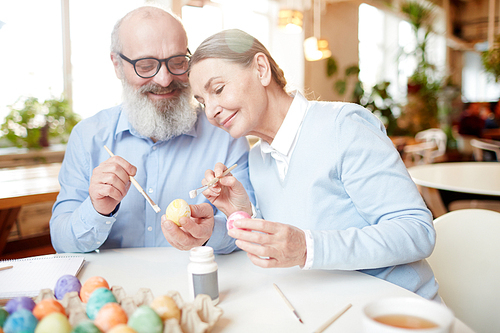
{"x": 236, "y": 216}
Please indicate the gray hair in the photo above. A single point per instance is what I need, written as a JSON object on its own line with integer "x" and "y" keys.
{"x": 238, "y": 47}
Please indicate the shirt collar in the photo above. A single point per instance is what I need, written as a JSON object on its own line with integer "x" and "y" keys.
{"x": 124, "y": 125}
{"x": 289, "y": 129}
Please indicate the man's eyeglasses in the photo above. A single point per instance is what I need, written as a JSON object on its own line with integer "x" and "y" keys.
{"x": 149, "y": 67}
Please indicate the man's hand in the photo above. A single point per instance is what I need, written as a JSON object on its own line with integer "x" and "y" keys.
{"x": 194, "y": 231}
{"x": 109, "y": 183}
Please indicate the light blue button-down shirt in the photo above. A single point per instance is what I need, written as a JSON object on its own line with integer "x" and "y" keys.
{"x": 166, "y": 170}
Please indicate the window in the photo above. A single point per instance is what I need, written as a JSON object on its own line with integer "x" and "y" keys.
{"x": 31, "y": 57}
{"x": 477, "y": 85}
{"x": 382, "y": 38}
{"x": 95, "y": 86}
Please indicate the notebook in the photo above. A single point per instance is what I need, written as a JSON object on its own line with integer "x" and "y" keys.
{"x": 29, "y": 275}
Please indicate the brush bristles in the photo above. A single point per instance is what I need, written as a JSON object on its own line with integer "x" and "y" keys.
{"x": 192, "y": 194}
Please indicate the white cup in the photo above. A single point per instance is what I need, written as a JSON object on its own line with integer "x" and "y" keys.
{"x": 431, "y": 311}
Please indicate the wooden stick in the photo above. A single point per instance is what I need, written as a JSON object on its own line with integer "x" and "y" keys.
{"x": 6, "y": 267}
{"x": 331, "y": 320}
{"x": 138, "y": 187}
{"x": 287, "y": 302}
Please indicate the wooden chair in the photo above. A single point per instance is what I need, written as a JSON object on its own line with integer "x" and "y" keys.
{"x": 466, "y": 265}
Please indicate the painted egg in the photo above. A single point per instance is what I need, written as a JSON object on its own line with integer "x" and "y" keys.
{"x": 122, "y": 328}
{"x": 234, "y": 217}
{"x": 3, "y": 316}
{"x": 46, "y": 307}
{"x": 97, "y": 300}
{"x": 86, "y": 326}
{"x": 90, "y": 285}
{"x": 166, "y": 308}
{"x": 110, "y": 315}
{"x": 145, "y": 320}
{"x": 54, "y": 323}
{"x": 65, "y": 284}
{"x": 177, "y": 209}
{"x": 18, "y": 303}
{"x": 20, "y": 321}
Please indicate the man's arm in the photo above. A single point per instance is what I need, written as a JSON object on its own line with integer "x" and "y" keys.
{"x": 75, "y": 225}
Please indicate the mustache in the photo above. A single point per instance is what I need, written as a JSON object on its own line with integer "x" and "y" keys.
{"x": 157, "y": 89}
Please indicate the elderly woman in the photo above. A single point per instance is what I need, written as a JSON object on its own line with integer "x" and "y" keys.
{"x": 332, "y": 190}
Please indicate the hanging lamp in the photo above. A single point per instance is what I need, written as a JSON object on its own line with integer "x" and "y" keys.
{"x": 314, "y": 47}
{"x": 290, "y": 17}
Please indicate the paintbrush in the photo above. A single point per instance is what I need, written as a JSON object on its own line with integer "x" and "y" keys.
{"x": 194, "y": 193}
{"x": 138, "y": 187}
{"x": 287, "y": 302}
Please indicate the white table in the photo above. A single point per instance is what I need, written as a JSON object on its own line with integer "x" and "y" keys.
{"x": 466, "y": 177}
{"x": 247, "y": 296}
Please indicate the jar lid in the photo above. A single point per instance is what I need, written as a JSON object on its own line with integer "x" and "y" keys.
{"x": 201, "y": 253}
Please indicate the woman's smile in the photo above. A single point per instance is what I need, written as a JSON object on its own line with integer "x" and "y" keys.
{"x": 228, "y": 121}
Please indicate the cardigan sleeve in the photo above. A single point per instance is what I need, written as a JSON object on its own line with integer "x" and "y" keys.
{"x": 399, "y": 226}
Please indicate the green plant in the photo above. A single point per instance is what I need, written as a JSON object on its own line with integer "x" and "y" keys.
{"x": 421, "y": 111}
{"x": 491, "y": 59}
{"x": 381, "y": 103}
{"x": 36, "y": 124}
{"x": 350, "y": 74}
{"x": 421, "y": 16}
{"x": 377, "y": 101}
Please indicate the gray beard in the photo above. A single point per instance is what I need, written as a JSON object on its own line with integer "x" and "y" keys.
{"x": 159, "y": 120}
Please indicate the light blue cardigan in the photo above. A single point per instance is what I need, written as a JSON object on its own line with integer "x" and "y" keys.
{"x": 348, "y": 185}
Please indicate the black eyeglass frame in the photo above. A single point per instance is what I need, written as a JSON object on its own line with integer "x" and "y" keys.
{"x": 133, "y": 62}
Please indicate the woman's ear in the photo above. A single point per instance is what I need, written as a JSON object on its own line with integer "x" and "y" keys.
{"x": 263, "y": 68}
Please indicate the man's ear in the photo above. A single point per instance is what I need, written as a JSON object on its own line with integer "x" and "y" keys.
{"x": 263, "y": 68}
{"x": 117, "y": 65}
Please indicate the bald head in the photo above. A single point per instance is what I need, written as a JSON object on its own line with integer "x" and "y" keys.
{"x": 149, "y": 16}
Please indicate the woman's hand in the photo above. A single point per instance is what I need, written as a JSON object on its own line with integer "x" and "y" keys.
{"x": 274, "y": 245}
{"x": 228, "y": 194}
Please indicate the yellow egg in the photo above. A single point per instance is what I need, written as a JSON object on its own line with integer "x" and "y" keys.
{"x": 166, "y": 308}
{"x": 177, "y": 209}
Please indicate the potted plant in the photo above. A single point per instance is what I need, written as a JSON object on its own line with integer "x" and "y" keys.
{"x": 378, "y": 100}
{"x": 37, "y": 124}
{"x": 491, "y": 59}
{"x": 421, "y": 111}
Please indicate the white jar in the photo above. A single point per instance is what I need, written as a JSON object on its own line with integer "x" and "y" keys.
{"x": 202, "y": 273}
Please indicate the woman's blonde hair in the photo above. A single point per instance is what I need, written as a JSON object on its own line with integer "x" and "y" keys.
{"x": 238, "y": 47}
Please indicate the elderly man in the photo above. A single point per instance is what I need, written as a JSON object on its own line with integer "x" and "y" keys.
{"x": 157, "y": 136}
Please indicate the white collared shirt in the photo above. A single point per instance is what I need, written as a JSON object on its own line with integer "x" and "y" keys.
{"x": 282, "y": 147}
{"x": 284, "y": 142}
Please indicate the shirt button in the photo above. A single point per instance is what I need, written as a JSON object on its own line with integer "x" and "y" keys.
{"x": 98, "y": 242}
{"x": 154, "y": 147}
{"x": 108, "y": 222}
{"x": 150, "y": 190}
{"x": 150, "y": 228}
